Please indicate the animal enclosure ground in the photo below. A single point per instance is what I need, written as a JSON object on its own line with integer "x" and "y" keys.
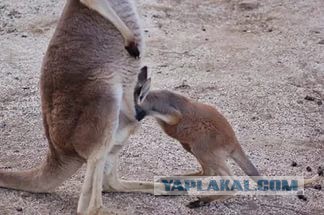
{"x": 261, "y": 64}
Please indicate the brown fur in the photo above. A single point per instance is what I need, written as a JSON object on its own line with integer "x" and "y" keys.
{"x": 200, "y": 128}
{"x": 86, "y": 87}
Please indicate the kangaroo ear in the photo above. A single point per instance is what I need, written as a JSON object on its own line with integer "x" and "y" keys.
{"x": 145, "y": 89}
{"x": 142, "y": 76}
{"x": 142, "y": 87}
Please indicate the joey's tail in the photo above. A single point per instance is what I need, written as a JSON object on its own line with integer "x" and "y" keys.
{"x": 44, "y": 178}
{"x": 247, "y": 166}
{"x": 244, "y": 162}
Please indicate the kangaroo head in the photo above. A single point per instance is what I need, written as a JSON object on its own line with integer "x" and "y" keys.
{"x": 141, "y": 90}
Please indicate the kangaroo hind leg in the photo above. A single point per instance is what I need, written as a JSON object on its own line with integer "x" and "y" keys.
{"x": 212, "y": 165}
{"x": 93, "y": 139}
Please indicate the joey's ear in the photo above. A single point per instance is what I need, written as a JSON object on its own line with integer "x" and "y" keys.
{"x": 145, "y": 89}
{"x": 142, "y": 76}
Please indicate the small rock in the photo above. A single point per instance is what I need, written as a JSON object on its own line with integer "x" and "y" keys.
{"x": 203, "y": 29}
{"x": 3, "y": 125}
{"x": 25, "y": 195}
{"x": 309, "y": 98}
{"x": 316, "y": 31}
{"x": 268, "y": 116}
{"x": 321, "y": 42}
{"x": 320, "y": 171}
{"x": 19, "y": 209}
{"x": 302, "y": 197}
{"x": 300, "y": 102}
{"x": 26, "y": 88}
{"x": 254, "y": 118}
{"x": 16, "y": 151}
{"x": 319, "y": 102}
{"x": 317, "y": 130}
{"x": 6, "y": 167}
{"x": 308, "y": 169}
{"x": 24, "y": 36}
{"x": 318, "y": 187}
{"x": 11, "y": 30}
{"x": 248, "y": 5}
{"x": 293, "y": 164}
{"x": 183, "y": 86}
{"x": 14, "y": 14}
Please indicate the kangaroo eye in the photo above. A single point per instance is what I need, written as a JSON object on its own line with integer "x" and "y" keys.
{"x": 141, "y": 97}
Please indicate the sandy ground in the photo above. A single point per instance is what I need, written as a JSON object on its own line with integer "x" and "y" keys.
{"x": 255, "y": 63}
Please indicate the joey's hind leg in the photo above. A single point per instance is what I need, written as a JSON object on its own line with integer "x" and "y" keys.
{"x": 213, "y": 167}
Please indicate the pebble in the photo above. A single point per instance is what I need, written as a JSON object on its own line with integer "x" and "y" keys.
{"x": 309, "y": 98}
{"x": 3, "y": 125}
{"x": 249, "y": 5}
{"x": 19, "y": 209}
{"x": 320, "y": 171}
{"x": 318, "y": 187}
{"x": 301, "y": 196}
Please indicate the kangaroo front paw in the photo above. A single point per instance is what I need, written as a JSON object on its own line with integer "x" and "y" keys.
{"x": 132, "y": 49}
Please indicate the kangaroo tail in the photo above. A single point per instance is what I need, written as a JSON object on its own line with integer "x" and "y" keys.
{"x": 243, "y": 161}
{"x": 54, "y": 171}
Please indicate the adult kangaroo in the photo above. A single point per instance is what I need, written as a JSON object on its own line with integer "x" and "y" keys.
{"x": 86, "y": 86}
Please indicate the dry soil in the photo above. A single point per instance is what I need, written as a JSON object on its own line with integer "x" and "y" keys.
{"x": 256, "y": 61}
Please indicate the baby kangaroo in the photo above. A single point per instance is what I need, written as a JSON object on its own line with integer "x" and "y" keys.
{"x": 200, "y": 128}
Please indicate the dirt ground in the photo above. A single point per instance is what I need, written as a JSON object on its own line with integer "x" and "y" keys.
{"x": 255, "y": 62}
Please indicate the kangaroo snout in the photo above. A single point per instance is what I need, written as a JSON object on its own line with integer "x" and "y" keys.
{"x": 140, "y": 113}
